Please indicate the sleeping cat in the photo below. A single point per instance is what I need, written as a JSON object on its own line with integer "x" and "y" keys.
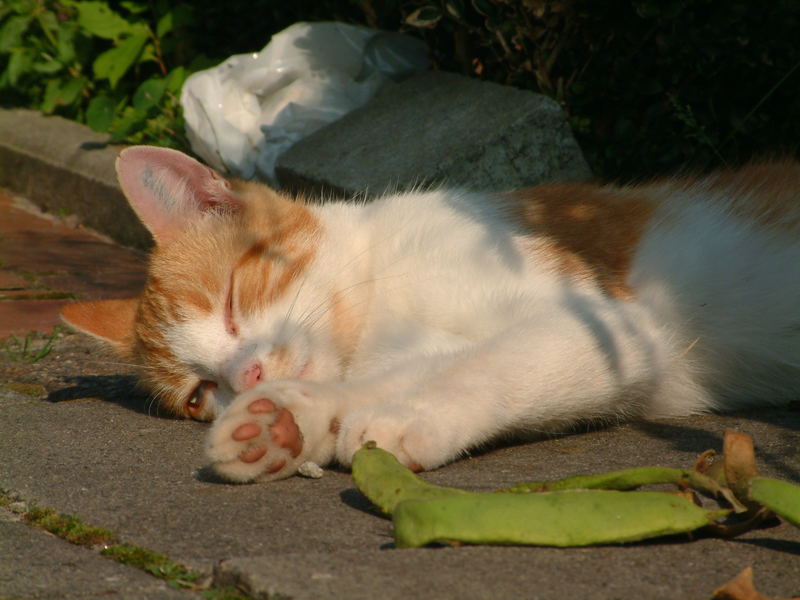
{"x": 436, "y": 321}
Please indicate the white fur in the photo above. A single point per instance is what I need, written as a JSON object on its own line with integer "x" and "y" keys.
{"x": 466, "y": 336}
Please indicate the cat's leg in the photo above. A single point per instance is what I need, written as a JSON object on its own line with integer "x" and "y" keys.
{"x": 573, "y": 362}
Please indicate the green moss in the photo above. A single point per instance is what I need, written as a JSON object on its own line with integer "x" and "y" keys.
{"x": 161, "y": 566}
{"x": 67, "y": 527}
{"x": 73, "y": 530}
{"x": 156, "y": 564}
{"x": 229, "y": 594}
{"x": 29, "y": 389}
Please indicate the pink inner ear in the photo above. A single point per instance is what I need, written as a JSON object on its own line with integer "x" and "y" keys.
{"x": 168, "y": 190}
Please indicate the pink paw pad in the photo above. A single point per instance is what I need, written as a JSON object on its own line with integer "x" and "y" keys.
{"x": 283, "y": 431}
{"x": 261, "y": 406}
{"x": 246, "y": 432}
{"x": 286, "y": 434}
{"x": 253, "y": 454}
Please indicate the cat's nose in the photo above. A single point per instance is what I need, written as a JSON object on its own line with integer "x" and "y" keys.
{"x": 250, "y": 376}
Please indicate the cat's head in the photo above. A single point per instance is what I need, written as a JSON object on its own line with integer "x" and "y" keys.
{"x": 228, "y": 301}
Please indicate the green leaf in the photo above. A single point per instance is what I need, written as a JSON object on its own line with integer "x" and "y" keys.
{"x": 175, "y": 80}
{"x": 62, "y": 93}
{"x": 11, "y": 33}
{"x": 98, "y": 19}
{"x": 51, "y": 90}
{"x": 484, "y": 7}
{"x": 148, "y": 94}
{"x": 426, "y": 17}
{"x": 148, "y": 54}
{"x": 455, "y": 8}
{"x": 135, "y": 8}
{"x": 48, "y": 67}
{"x": 71, "y": 91}
{"x": 19, "y": 63}
{"x": 49, "y": 23}
{"x": 65, "y": 48}
{"x": 130, "y": 122}
{"x": 100, "y": 113}
{"x": 113, "y": 64}
{"x": 174, "y": 18}
{"x": 165, "y": 25}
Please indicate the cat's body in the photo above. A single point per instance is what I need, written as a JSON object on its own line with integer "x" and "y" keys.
{"x": 435, "y": 321}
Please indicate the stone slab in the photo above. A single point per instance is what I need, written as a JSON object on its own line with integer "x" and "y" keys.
{"x": 96, "y": 448}
{"x": 35, "y": 564}
{"x": 66, "y": 168}
{"x": 438, "y": 128}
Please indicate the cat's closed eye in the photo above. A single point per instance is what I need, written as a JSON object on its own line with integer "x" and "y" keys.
{"x": 230, "y": 324}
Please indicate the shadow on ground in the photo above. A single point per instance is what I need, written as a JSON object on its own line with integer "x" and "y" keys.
{"x": 121, "y": 390}
{"x": 686, "y": 438}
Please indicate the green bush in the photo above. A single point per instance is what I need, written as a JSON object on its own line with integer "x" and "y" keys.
{"x": 648, "y": 85}
{"x": 119, "y": 71}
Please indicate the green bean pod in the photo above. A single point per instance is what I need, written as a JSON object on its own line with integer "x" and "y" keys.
{"x": 781, "y": 497}
{"x": 562, "y": 518}
{"x": 630, "y": 479}
{"x": 386, "y": 482}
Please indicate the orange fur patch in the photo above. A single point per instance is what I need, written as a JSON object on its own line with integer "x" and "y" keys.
{"x": 768, "y": 193}
{"x": 589, "y": 232}
{"x": 346, "y": 325}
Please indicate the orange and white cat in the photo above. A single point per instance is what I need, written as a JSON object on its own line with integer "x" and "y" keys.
{"x": 436, "y": 321}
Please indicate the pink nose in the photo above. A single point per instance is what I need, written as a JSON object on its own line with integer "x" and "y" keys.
{"x": 251, "y": 375}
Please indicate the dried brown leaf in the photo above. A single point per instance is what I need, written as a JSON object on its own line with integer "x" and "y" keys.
{"x": 741, "y": 588}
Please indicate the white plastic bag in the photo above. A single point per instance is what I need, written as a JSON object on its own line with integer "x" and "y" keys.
{"x": 242, "y": 114}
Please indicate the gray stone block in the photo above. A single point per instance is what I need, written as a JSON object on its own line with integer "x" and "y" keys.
{"x": 438, "y": 128}
{"x": 65, "y": 167}
{"x": 35, "y": 564}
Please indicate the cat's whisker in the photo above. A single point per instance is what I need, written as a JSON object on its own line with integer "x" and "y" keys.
{"x": 349, "y": 288}
{"x": 310, "y": 327}
{"x": 294, "y": 302}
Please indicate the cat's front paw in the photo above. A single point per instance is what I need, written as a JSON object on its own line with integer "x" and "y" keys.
{"x": 412, "y": 436}
{"x": 269, "y": 431}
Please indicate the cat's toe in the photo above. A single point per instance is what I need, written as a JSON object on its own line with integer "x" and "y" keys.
{"x": 412, "y": 441}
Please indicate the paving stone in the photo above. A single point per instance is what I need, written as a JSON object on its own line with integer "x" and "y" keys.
{"x": 24, "y": 316}
{"x": 439, "y": 128}
{"x": 44, "y": 263}
{"x": 11, "y": 281}
{"x": 113, "y": 462}
{"x": 37, "y": 565}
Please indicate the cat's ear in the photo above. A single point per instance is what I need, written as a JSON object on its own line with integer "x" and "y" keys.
{"x": 169, "y": 190}
{"x": 110, "y": 321}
